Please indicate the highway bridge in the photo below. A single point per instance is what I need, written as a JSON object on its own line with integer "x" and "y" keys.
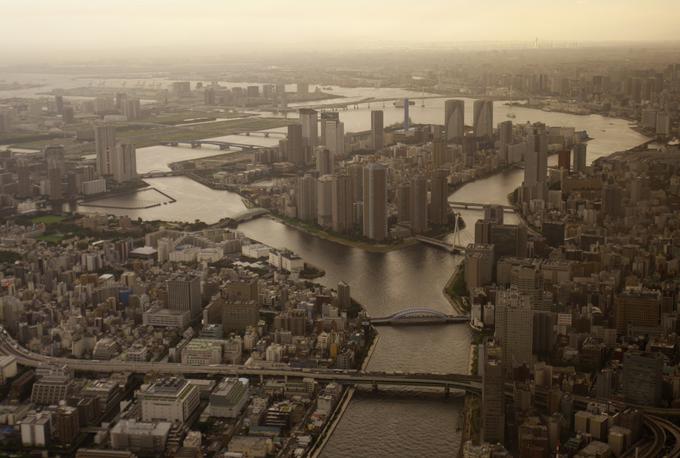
{"x": 265, "y": 134}
{"x": 220, "y": 144}
{"x": 419, "y": 316}
{"x": 468, "y": 383}
{"x": 456, "y": 249}
{"x": 478, "y": 206}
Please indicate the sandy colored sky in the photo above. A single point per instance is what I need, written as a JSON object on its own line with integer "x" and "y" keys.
{"x": 108, "y": 24}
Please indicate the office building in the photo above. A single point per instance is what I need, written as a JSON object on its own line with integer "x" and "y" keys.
{"x": 229, "y": 398}
{"x": 342, "y": 204}
{"x": 145, "y": 438}
{"x": 642, "y": 378}
{"x": 494, "y": 213}
{"x": 238, "y": 315}
{"x": 375, "y": 202}
{"x": 132, "y": 109}
{"x": 169, "y": 399}
{"x": 184, "y": 294}
{"x": 493, "y": 401}
{"x": 66, "y": 424}
{"x": 105, "y": 148}
{"x": 483, "y": 118}
{"x": 579, "y": 157}
{"x": 418, "y": 210}
{"x": 514, "y": 328}
{"x": 638, "y": 308}
{"x": 439, "y": 197}
{"x": 536, "y": 161}
{"x": 377, "y": 130}
{"x": 454, "y": 119}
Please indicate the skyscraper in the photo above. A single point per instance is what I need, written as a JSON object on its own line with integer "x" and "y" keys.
{"x": 514, "y": 328}
{"x": 324, "y": 161}
{"x": 536, "y": 162}
{"x": 404, "y": 202}
{"x": 579, "y": 157}
{"x": 54, "y": 156}
{"x": 59, "y": 104}
{"x": 327, "y": 116}
{"x": 493, "y": 401}
{"x": 377, "y": 130}
{"x": 334, "y": 132}
{"x": 105, "y": 147}
{"x": 418, "y": 204}
{"x": 310, "y": 128}
{"x": 295, "y": 150}
{"x": 483, "y": 118}
{"x": 305, "y": 197}
{"x": 454, "y": 119}
{"x": 439, "y": 194}
{"x": 341, "y": 200}
{"x": 124, "y": 163}
{"x": 324, "y": 202}
{"x": 375, "y": 202}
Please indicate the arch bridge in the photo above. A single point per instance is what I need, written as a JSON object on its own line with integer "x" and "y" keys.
{"x": 419, "y": 316}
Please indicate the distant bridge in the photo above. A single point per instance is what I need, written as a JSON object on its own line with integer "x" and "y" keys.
{"x": 458, "y": 249}
{"x": 264, "y": 134}
{"x": 249, "y": 214}
{"x": 478, "y": 206}
{"x": 419, "y": 316}
{"x": 220, "y": 144}
{"x": 161, "y": 173}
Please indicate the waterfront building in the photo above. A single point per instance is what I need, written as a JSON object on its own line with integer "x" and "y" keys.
{"x": 404, "y": 202}
{"x": 377, "y": 130}
{"x": 324, "y": 117}
{"x": 305, "y": 197}
{"x": 324, "y": 201}
{"x": 479, "y": 264}
{"x": 105, "y": 148}
{"x": 310, "y": 128}
{"x": 124, "y": 163}
{"x": 342, "y": 203}
{"x": 295, "y": 148}
{"x": 493, "y": 400}
{"x": 454, "y": 119}
{"x": 579, "y": 157}
{"x": 375, "y": 202}
{"x": 418, "y": 210}
{"x": 439, "y": 195}
{"x": 483, "y": 118}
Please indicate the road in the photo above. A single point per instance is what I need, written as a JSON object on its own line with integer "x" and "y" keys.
{"x": 348, "y": 377}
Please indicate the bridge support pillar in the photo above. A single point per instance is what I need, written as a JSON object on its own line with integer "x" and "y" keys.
{"x": 447, "y": 391}
{"x": 375, "y": 387}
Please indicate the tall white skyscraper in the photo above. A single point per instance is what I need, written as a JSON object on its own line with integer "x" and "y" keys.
{"x": 310, "y": 129}
{"x": 536, "y": 160}
{"x": 124, "y": 163}
{"x": 105, "y": 147}
{"x": 483, "y": 118}
{"x": 335, "y": 138}
{"x": 375, "y": 202}
{"x": 324, "y": 161}
{"x": 454, "y": 119}
{"x": 514, "y": 331}
{"x": 324, "y": 201}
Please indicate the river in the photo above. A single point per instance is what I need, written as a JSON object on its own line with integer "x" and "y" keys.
{"x": 379, "y": 425}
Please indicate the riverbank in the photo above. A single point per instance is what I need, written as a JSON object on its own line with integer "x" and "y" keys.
{"x": 455, "y": 291}
{"x": 366, "y": 246}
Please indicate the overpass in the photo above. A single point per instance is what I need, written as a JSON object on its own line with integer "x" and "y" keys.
{"x": 419, "y": 316}
{"x": 265, "y": 134}
{"x": 220, "y": 144}
{"x": 478, "y": 206}
{"x": 463, "y": 382}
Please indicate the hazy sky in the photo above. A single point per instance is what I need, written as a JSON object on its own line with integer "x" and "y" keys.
{"x": 91, "y": 24}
